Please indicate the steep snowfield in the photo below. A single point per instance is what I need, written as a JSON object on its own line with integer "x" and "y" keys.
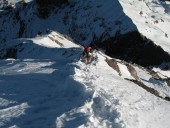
{"x": 48, "y": 87}
{"x": 152, "y": 18}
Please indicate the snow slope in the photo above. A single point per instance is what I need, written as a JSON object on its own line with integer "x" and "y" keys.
{"x": 152, "y": 18}
{"x": 48, "y": 87}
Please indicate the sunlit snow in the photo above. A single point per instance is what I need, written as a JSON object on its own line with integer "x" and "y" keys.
{"x": 47, "y": 86}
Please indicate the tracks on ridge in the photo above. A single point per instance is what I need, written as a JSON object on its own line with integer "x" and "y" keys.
{"x": 102, "y": 107}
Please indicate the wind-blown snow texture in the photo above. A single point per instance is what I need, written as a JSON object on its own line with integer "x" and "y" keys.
{"x": 47, "y": 86}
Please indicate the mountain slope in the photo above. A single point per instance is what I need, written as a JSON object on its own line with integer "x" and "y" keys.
{"x": 44, "y": 84}
{"x": 152, "y": 19}
{"x": 101, "y": 22}
{"x": 85, "y": 20}
{"x": 53, "y": 89}
{"x": 80, "y": 20}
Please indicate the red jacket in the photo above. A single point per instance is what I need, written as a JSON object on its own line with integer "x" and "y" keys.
{"x": 87, "y": 49}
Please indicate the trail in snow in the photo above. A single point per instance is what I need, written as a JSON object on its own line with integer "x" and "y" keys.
{"x": 52, "y": 89}
{"x": 119, "y": 103}
{"x": 61, "y": 92}
{"x": 99, "y": 110}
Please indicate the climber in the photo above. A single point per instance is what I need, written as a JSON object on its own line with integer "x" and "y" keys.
{"x": 87, "y": 55}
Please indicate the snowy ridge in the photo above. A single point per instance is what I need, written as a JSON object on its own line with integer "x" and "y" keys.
{"x": 61, "y": 40}
{"x": 54, "y": 89}
{"x": 47, "y": 86}
{"x": 38, "y": 46}
{"x": 104, "y": 106}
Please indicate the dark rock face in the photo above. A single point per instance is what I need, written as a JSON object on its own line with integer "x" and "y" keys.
{"x": 10, "y": 52}
{"x": 134, "y": 47}
{"x": 46, "y": 6}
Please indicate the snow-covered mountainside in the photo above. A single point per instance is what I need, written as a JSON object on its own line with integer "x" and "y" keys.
{"x": 152, "y": 18}
{"x": 48, "y": 87}
{"x": 45, "y": 84}
{"x": 86, "y": 22}
{"x": 80, "y": 20}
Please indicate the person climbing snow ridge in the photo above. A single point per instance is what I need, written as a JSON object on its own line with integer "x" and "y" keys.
{"x": 89, "y": 55}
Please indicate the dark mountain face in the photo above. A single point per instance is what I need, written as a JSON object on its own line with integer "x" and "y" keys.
{"x": 135, "y": 48}
{"x": 45, "y": 7}
{"x": 3, "y": 3}
{"x": 164, "y": 0}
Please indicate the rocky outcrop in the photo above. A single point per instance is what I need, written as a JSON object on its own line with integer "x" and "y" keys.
{"x": 45, "y": 7}
{"x": 113, "y": 63}
{"x": 137, "y": 80}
